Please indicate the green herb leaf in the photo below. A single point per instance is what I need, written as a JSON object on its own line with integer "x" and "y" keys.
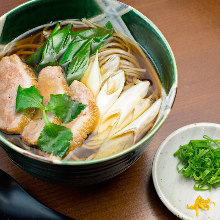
{"x": 59, "y": 37}
{"x": 52, "y": 47}
{"x": 63, "y": 45}
{"x": 105, "y": 32}
{"x": 28, "y": 98}
{"x": 201, "y": 161}
{"x": 55, "y": 139}
{"x": 97, "y": 33}
{"x": 48, "y": 56}
{"x": 73, "y": 48}
{"x": 56, "y": 29}
{"x": 79, "y": 63}
{"x": 64, "y": 108}
{"x": 95, "y": 47}
{"x": 50, "y": 51}
{"x": 37, "y": 56}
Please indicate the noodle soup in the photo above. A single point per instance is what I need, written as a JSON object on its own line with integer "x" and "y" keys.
{"x": 124, "y": 86}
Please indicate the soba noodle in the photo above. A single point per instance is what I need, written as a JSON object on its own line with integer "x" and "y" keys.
{"x": 118, "y": 59}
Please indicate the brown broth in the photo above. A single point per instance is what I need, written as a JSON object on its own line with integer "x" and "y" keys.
{"x": 36, "y": 38}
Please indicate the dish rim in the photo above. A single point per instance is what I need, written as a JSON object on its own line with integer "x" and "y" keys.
{"x": 149, "y": 135}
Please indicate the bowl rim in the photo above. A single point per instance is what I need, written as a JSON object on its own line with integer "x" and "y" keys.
{"x": 148, "y": 136}
{"x": 180, "y": 130}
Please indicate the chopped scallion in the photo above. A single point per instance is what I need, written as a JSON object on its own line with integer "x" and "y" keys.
{"x": 200, "y": 159}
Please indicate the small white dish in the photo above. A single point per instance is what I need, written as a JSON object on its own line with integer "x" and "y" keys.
{"x": 174, "y": 190}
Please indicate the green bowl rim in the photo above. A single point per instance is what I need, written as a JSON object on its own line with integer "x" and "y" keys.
{"x": 133, "y": 147}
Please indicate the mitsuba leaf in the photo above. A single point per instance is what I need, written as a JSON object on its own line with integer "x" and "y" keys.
{"x": 64, "y": 108}
{"x": 55, "y": 139}
{"x": 28, "y": 98}
{"x": 79, "y": 63}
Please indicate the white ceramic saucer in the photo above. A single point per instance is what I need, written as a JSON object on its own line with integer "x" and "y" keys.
{"x": 174, "y": 190}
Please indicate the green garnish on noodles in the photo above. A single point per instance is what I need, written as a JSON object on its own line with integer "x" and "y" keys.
{"x": 53, "y": 138}
{"x": 201, "y": 160}
{"x": 70, "y": 49}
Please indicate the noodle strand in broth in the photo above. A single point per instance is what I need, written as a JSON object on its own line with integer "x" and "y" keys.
{"x": 119, "y": 58}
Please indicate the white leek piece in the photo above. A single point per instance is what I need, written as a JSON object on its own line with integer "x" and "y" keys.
{"x": 92, "y": 77}
{"x": 110, "y": 91}
{"x": 110, "y": 67}
{"x": 138, "y": 127}
{"x": 127, "y": 101}
{"x": 115, "y": 145}
{"x": 141, "y": 106}
{"x": 112, "y": 64}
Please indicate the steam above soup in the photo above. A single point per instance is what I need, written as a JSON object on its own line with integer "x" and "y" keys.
{"x": 77, "y": 91}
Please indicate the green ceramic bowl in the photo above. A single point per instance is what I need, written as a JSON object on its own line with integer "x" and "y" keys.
{"x": 35, "y": 13}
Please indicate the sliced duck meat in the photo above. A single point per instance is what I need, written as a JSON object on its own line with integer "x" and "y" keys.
{"x": 13, "y": 72}
{"x": 50, "y": 81}
{"x": 86, "y": 122}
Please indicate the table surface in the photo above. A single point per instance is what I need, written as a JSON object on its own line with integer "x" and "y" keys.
{"x": 192, "y": 29}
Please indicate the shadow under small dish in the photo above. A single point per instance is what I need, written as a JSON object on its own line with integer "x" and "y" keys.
{"x": 152, "y": 67}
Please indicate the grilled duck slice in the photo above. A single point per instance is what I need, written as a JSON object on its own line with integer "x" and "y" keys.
{"x": 13, "y": 72}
